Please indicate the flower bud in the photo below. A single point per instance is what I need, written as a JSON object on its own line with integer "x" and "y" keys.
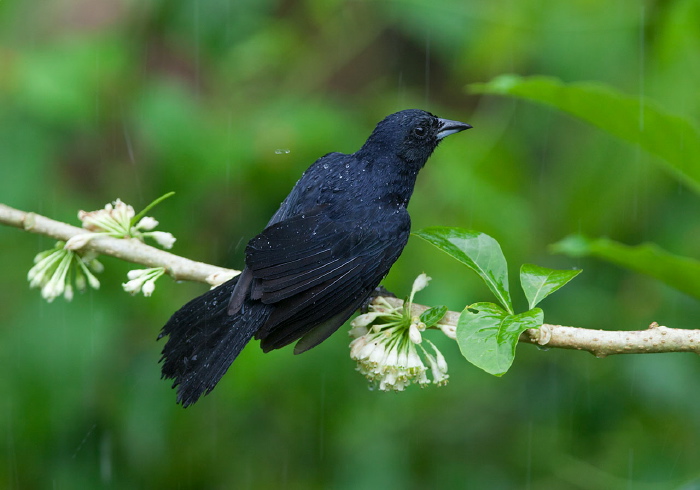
{"x": 77, "y": 242}
{"x": 147, "y": 223}
{"x": 421, "y": 282}
{"x": 449, "y": 330}
{"x": 164, "y": 239}
{"x": 149, "y": 287}
{"x": 414, "y": 334}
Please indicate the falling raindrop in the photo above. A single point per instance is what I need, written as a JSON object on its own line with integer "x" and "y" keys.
{"x": 642, "y": 53}
{"x": 427, "y": 68}
{"x": 106, "y": 457}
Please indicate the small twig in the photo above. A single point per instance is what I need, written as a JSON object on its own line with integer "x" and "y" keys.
{"x": 600, "y": 343}
{"x": 131, "y": 250}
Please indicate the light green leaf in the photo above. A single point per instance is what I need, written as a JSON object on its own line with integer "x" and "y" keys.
{"x": 539, "y": 282}
{"x": 476, "y": 250}
{"x": 673, "y": 138}
{"x": 681, "y": 273}
{"x": 433, "y": 315}
{"x": 487, "y": 335}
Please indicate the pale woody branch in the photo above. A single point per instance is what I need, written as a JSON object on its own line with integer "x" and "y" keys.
{"x": 132, "y": 250}
{"x": 601, "y": 343}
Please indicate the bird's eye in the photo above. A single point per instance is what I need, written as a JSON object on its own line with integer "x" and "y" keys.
{"x": 419, "y": 131}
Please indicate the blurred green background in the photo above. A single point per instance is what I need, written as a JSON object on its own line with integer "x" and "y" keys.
{"x": 100, "y": 100}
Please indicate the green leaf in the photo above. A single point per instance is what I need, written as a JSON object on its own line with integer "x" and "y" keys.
{"x": 487, "y": 335}
{"x": 433, "y": 315}
{"x": 681, "y": 273}
{"x": 672, "y": 137}
{"x": 157, "y": 201}
{"x": 539, "y": 282}
{"x": 476, "y": 250}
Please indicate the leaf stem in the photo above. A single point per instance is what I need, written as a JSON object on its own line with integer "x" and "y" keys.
{"x": 162, "y": 198}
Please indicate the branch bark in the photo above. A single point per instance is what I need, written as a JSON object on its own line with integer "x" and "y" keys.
{"x": 601, "y": 343}
{"x": 131, "y": 250}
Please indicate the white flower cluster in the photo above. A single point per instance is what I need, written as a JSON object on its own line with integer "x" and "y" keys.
{"x": 57, "y": 269}
{"x": 117, "y": 220}
{"x": 143, "y": 280}
{"x": 390, "y": 354}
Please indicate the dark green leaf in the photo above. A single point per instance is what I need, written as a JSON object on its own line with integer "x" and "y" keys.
{"x": 433, "y": 315}
{"x": 682, "y": 273}
{"x": 539, "y": 282}
{"x": 476, "y": 250}
{"x": 487, "y": 335}
{"x": 671, "y": 137}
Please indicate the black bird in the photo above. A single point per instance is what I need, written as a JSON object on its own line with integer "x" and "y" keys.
{"x": 323, "y": 253}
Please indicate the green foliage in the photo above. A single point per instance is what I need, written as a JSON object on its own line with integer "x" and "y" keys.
{"x": 433, "y": 315}
{"x": 476, "y": 250}
{"x": 673, "y": 138}
{"x": 134, "y": 99}
{"x": 679, "y": 272}
{"x": 486, "y": 333}
{"x": 539, "y": 282}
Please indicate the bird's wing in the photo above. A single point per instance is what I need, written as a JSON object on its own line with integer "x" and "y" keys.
{"x": 317, "y": 270}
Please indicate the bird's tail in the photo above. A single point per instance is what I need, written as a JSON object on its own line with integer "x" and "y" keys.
{"x": 204, "y": 340}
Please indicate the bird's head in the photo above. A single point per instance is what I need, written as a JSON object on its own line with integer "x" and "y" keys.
{"x": 411, "y": 134}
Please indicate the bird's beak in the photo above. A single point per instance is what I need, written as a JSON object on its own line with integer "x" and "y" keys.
{"x": 448, "y": 127}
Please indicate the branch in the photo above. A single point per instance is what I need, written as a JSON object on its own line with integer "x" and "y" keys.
{"x": 131, "y": 250}
{"x": 600, "y": 343}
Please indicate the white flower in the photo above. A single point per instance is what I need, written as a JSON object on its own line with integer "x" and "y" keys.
{"x": 164, "y": 239}
{"x": 358, "y": 332}
{"x": 364, "y": 319}
{"x": 414, "y": 334}
{"x": 148, "y": 288}
{"x": 438, "y": 365}
{"x": 68, "y": 292}
{"x": 386, "y": 346}
{"x": 218, "y": 278}
{"x": 136, "y": 273}
{"x": 418, "y": 285}
{"x": 54, "y": 268}
{"x": 79, "y": 241}
{"x": 388, "y": 361}
{"x": 449, "y": 330}
{"x": 421, "y": 282}
{"x": 147, "y": 223}
{"x": 133, "y": 286}
{"x": 114, "y": 219}
{"x": 356, "y": 346}
{"x": 80, "y": 281}
{"x": 117, "y": 220}
{"x": 143, "y": 280}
